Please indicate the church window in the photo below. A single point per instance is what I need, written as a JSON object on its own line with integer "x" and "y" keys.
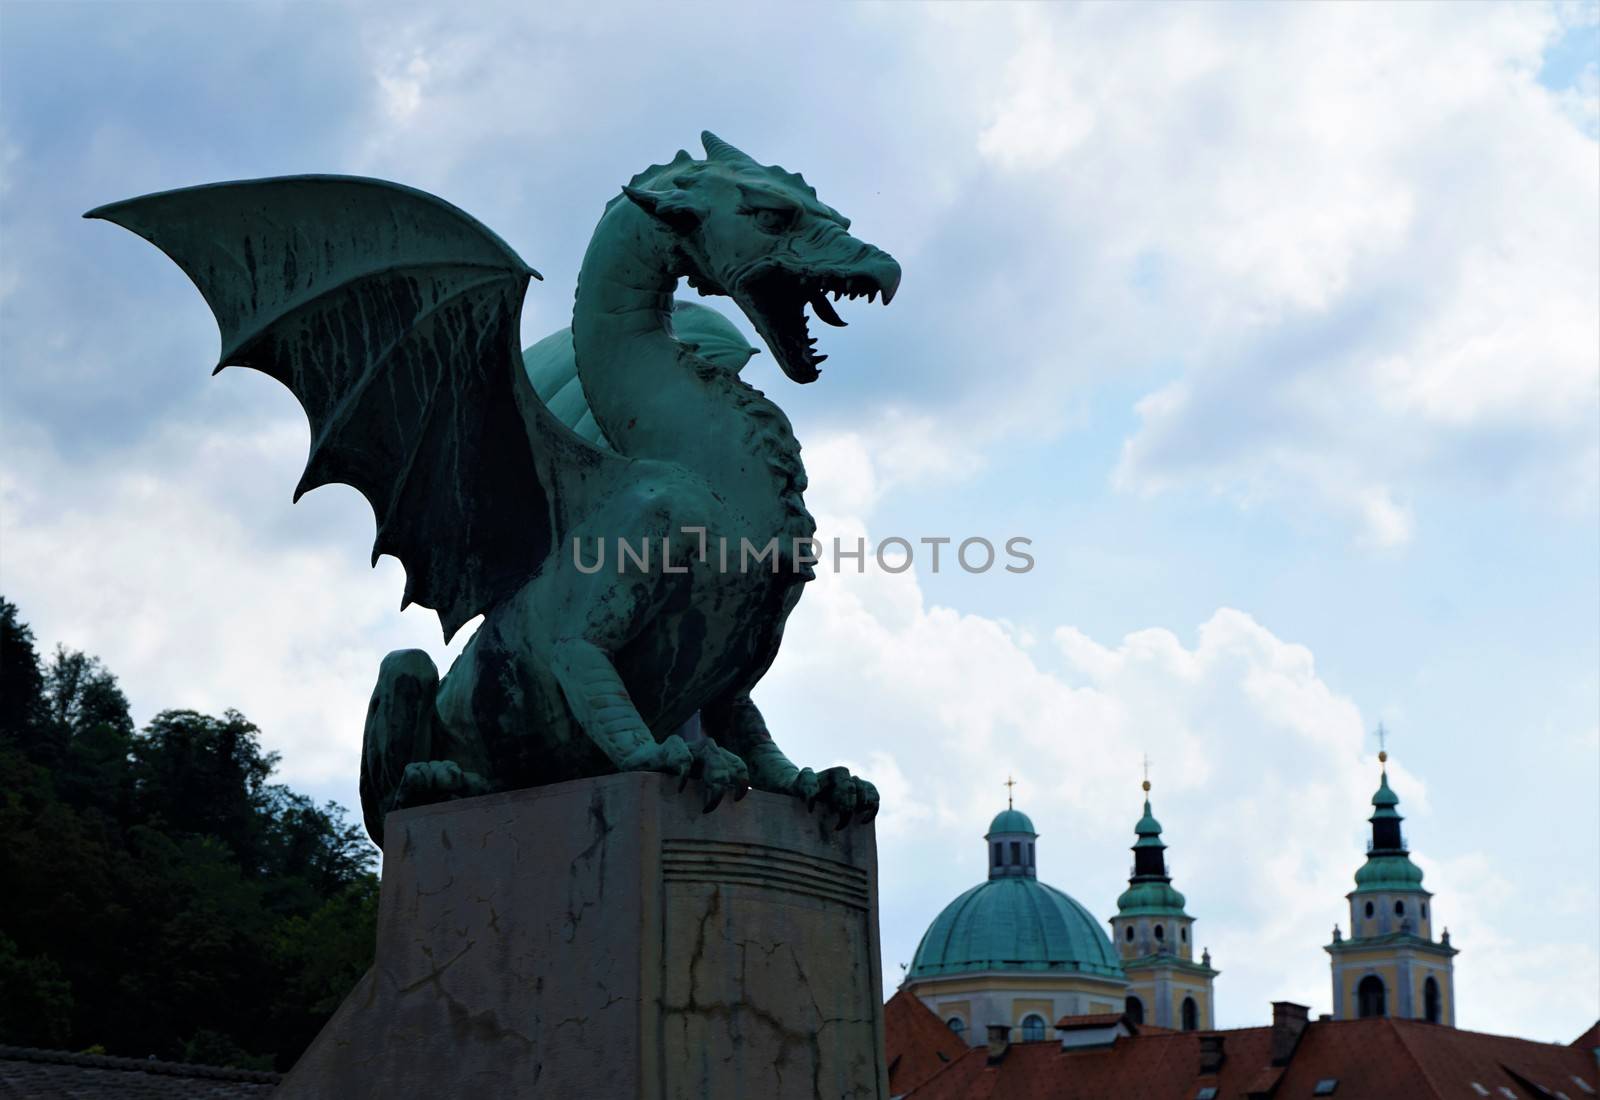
{"x": 1033, "y": 1028}
{"x": 1399, "y": 908}
{"x": 1161, "y": 933}
{"x": 1133, "y": 1008}
{"x": 1424, "y": 910}
{"x": 1370, "y": 998}
{"x": 999, "y": 854}
{"x": 1127, "y": 933}
{"x": 956, "y": 1024}
{"x": 1183, "y": 935}
{"x": 1430, "y": 1000}
{"x": 1016, "y": 852}
{"x": 1191, "y": 1014}
{"x": 1369, "y": 910}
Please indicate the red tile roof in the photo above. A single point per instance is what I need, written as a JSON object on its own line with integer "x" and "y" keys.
{"x": 1376, "y": 1059}
{"x": 919, "y": 1044}
{"x": 1157, "y": 1066}
{"x": 1590, "y": 1039}
{"x": 1409, "y": 1058}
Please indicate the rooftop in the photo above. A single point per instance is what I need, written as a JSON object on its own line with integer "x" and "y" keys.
{"x": 62, "y": 1075}
{"x": 1373, "y": 1058}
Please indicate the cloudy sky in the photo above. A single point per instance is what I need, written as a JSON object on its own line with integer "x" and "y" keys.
{"x": 1273, "y": 326}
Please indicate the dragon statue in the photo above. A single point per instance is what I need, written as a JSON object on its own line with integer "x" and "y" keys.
{"x": 496, "y": 476}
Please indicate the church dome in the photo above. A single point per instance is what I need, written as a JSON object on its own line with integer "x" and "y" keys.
{"x": 1014, "y": 922}
{"x": 1012, "y": 821}
{"x": 1017, "y": 924}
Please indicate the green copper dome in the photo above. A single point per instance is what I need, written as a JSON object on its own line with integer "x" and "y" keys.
{"x": 1150, "y": 899}
{"x": 1387, "y": 873}
{"x": 1016, "y": 924}
{"x": 1011, "y": 821}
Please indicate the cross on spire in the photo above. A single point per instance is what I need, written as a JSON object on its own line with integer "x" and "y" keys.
{"x": 1147, "y": 773}
{"x": 1383, "y": 744}
{"x": 1009, "y": 784}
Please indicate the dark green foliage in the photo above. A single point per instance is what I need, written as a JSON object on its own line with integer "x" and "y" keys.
{"x": 161, "y": 896}
{"x": 36, "y": 1008}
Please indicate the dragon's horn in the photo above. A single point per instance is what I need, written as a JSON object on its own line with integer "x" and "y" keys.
{"x": 717, "y": 149}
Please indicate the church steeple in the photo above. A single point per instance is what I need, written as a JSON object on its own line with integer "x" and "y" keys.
{"x": 1385, "y": 818}
{"x": 1388, "y": 867}
{"x": 1155, "y": 936}
{"x": 1390, "y": 965}
{"x": 1149, "y": 862}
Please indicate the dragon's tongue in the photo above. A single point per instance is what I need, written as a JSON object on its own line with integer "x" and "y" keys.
{"x": 824, "y": 310}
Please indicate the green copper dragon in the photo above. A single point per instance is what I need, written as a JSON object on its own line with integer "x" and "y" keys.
{"x": 394, "y": 318}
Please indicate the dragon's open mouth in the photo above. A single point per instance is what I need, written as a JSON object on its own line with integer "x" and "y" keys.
{"x": 775, "y": 299}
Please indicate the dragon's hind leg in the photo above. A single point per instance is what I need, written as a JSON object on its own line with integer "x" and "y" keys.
{"x": 408, "y": 757}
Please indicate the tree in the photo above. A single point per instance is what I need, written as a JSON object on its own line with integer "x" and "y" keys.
{"x": 163, "y": 896}
{"x": 37, "y": 1007}
{"x": 21, "y": 681}
{"x": 90, "y": 731}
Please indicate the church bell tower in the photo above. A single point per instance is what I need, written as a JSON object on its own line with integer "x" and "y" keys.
{"x": 1155, "y": 938}
{"x": 1390, "y": 965}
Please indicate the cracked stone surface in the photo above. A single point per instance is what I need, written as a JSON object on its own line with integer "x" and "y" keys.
{"x": 603, "y": 938}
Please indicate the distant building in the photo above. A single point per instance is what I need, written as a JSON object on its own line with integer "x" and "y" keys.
{"x": 1391, "y": 965}
{"x": 1014, "y": 951}
{"x": 1155, "y": 936}
{"x": 1015, "y": 992}
{"x": 1111, "y": 1058}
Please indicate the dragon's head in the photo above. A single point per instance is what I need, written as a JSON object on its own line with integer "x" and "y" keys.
{"x": 759, "y": 235}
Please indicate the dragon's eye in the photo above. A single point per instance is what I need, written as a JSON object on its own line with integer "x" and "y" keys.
{"x": 773, "y": 220}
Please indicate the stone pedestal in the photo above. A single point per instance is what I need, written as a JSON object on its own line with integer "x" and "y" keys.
{"x": 604, "y": 938}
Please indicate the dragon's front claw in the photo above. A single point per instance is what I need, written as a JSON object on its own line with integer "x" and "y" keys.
{"x": 428, "y": 781}
{"x": 721, "y": 772}
{"x": 806, "y": 786}
{"x": 847, "y": 797}
{"x": 869, "y": 801}
{"x": 670, "y": 757}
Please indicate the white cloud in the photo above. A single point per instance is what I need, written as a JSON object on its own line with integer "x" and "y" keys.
{"x": 1379, "y": 239}
{"x": 402, "y": 84}
{"x": 1510, "y": 968}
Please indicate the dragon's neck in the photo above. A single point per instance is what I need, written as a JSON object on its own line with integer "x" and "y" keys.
{"x": 653, "y": 397}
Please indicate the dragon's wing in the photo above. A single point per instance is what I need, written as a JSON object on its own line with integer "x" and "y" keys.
{"x": 393, "y": 317}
